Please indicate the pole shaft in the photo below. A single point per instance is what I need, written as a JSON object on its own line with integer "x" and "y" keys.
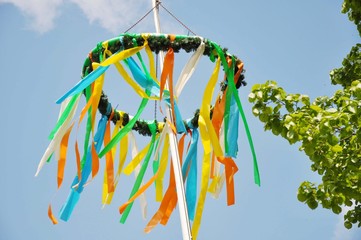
{"x": 183, "y": 211}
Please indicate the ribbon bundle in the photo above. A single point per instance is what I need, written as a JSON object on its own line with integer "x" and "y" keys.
{"x": 216, "y": 125}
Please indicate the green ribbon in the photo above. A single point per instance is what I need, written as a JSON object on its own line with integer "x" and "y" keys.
{"x": 232, "y": 88}
{"x": 127, "y": 128}
{"x": 227, "y": 109}
{"x": 64, "y": 115}
{"x": 156, "y": 160}
{"x": 153, "y": 129}
{"x": 88, "y": 125}
{"x": 49, "y": 158}
{"x": 141, "y": 59}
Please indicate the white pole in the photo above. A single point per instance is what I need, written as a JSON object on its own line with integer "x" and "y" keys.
{"x": 183, "y": 212}
{"x": 155, "y": 4}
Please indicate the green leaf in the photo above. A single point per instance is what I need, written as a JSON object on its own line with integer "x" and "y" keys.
{"x": 351, "y": 109}
{"x": 336, "y": 209}
{"x": 336, "y": 148}
{"x": 312, "y": 204}
{"x": 268, "y": 110}
{"x": 333, "y": 140}
{"x": 332, "y": 110}
{"x": 301, "y": 197}
{"x": 325, "y": 129}
{"x": 251, "y": 97}
{"x": 255, "y": 87}
{"x": 263, "y": 117}
{"x": 348, "y": 225}
{"x": 305, "y": 100}
{"x": 259, "y": 94}
{"x": 290, "y": 134}
{"x": 316, "y": 108}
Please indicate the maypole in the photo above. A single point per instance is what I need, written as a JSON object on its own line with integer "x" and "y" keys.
{"x": 215, "y": 124}
{"x": 183, "y": 212}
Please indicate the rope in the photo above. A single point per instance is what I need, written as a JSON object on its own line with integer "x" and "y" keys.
{"x": 158, "y": 3}
{"x": 185, "y": 26}
{"x": 136, "y": 23}
{"x": 170, "y": 13}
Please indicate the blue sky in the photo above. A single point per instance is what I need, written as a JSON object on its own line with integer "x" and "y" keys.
{"x": 44, "y": 44}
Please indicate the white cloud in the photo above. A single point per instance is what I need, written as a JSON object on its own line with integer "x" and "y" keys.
{"x": 340, "y": 232}
{"x": 113, "y": 15}
{"x": 41, "y": 13}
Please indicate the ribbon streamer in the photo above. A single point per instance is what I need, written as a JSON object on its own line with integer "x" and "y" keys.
{"x": 140, "y": 176}
{"x": 232, "y": 87}
{"x": 215, "y": 124}
{"x": 58, "y": 135}
{"x": 78, "y": 185}
{"x": 190, "y": 166}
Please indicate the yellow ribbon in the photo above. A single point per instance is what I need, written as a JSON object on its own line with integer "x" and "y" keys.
{"x": 122, "y": 154}
{"x": 132, "y": 83}
{"x": 206, "y": 141}
{"x": 117, "y": 57}
{"x": 205, "y": 110}
{"x": 162, "y": 168}
{"x": 97, "y": 92}
{"x": 136, "y": 160}
{"x": 151, "y": 64}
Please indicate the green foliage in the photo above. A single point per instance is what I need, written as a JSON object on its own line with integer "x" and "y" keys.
{"x": 353, "y": 10}
{"x": 350, "y": 70}
{"x": 327, "y": 129}
{"x": 329, "y": 134}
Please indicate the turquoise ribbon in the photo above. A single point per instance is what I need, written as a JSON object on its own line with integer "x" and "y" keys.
{"x": 144, "y": 80}
{"x": 232, "y": 88}
{"x": 232, "y": 131}
{"x": 74, "y": 195}
{"x": 82, "y": 84}
{"x": 149, "y": 84}
{"x": 190, "y": 163}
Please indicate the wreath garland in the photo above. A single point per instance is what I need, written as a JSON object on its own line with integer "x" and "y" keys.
{"x": 157, "y": 43}
{"x": 215, "y": 122}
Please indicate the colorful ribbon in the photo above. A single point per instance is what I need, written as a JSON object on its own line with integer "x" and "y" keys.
{"x": 218, "y": 134}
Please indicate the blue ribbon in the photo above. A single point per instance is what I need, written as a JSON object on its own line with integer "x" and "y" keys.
{"x": 191, "y": 184}
{"x": 74, "y": 195}
{"x": 149, "y": 84}
{"x": 141, "y": 78}
{"x": 232, "y": 135}
{"x": 85, "y": 82}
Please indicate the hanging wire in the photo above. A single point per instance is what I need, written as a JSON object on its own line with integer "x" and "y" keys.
{"x": 158, "y": 3}
{"x": 141, "y": 19}
{"x": 185, "y": 26}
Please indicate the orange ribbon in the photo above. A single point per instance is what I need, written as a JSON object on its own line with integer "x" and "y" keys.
{"x": 62, "y": 159}
{"x": 51, "y": 215}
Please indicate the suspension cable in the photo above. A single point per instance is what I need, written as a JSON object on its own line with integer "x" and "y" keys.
{"x": 141, "y": 19}
{"x": 158, "y": 3}
{"x": 177, "y": 19}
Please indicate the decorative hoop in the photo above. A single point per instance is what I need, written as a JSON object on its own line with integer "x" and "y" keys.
{"x": 217, "y": 123}
{"x": 157, "y": 43}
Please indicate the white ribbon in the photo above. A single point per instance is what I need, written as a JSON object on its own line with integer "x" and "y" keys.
{"x": 55, "y": 142}
{"x": 142, "y": 198}
{"x": 189, "y": 69}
